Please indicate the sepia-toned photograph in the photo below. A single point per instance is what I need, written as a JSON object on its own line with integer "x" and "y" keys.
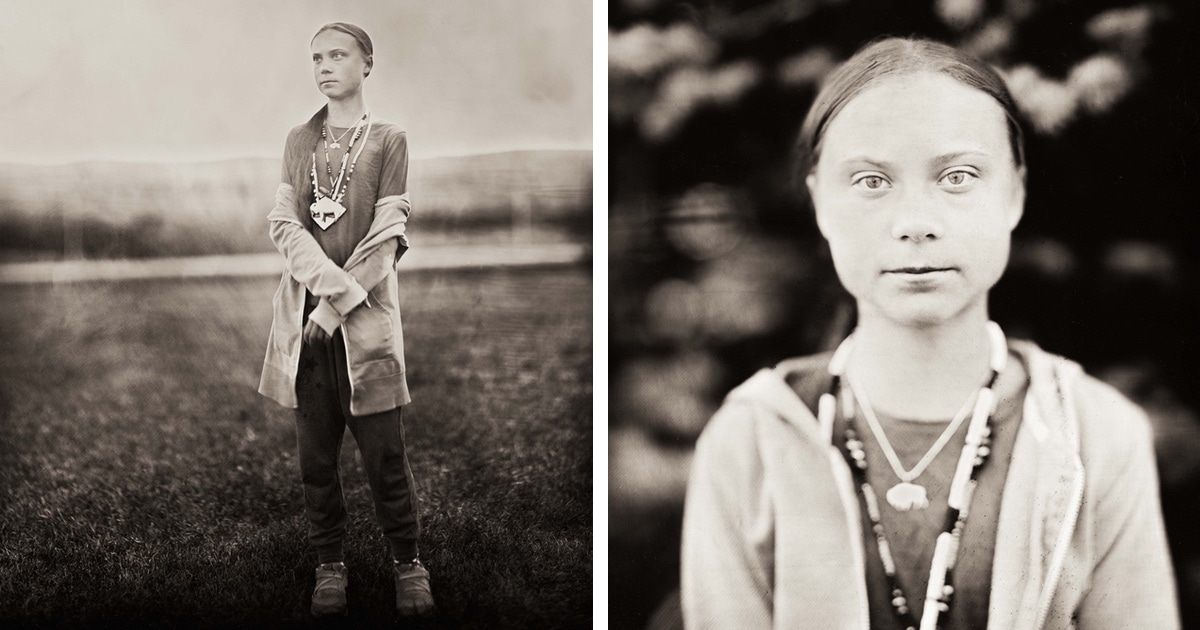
{"x": 296, "y": 314}
{"x": 903, "y": 314}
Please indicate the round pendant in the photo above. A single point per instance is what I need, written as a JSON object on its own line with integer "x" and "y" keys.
{"x": 906, "y": 496}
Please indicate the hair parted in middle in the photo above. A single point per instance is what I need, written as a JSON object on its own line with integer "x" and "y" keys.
{"x": 894, "y": 56}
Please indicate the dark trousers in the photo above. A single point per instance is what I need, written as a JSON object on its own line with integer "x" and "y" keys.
{"x": 322, "y": 415}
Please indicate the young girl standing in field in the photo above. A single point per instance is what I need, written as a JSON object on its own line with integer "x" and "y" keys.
{"x": 336, "y": 350}
{"x": 929, "y": 473}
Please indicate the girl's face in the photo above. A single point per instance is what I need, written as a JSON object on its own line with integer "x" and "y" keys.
{"x": 917, "y": 193}
{"x": 339, "y": 65}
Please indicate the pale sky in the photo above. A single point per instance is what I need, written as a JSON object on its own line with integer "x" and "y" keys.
{"x": 147, "y": 80}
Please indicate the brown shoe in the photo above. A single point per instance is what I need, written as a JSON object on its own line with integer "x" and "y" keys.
{"x": 329, "y": 597}
{"x": 413, "y": 598}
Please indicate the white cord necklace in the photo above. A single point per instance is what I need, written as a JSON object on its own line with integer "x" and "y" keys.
{"x": 337, "y": 142}
{"x": 907, "y": 495}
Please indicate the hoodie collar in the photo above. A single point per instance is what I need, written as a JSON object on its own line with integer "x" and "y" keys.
{"x": 768, "y": 389}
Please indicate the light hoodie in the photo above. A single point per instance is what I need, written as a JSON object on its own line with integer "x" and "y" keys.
{"x": 772, "y": 535}
{"x": 359, "y": 297}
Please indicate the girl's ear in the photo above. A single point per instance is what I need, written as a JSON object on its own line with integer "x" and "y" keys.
{"x": 1016, "y": 207}
{"x": 810, "y": 183}
{"x": 370, "y": 64}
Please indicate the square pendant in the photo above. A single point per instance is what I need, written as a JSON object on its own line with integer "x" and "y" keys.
{"x": 325, "y": 212}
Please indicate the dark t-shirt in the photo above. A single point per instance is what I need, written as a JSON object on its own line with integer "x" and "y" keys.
{"x": 381, "y": 171}
{"x": 912, "y": 535}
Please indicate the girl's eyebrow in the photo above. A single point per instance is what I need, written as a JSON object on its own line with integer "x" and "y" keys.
{"x": 954, "y": 156}
{"x": 862, "y": 159}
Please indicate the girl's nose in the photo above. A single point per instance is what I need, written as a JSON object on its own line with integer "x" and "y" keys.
{"x": 915, "y": 231}
{"x": 914, "y": 221}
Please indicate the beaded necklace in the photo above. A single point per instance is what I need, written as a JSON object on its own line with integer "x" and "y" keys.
{"x": 940, "y": 590}
{"x": 327, "y": 209}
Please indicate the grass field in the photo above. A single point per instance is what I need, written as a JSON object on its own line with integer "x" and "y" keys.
{"x": 143, "y": 481}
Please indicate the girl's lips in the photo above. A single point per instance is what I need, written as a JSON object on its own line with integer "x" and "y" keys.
{"x": 918, "y": 270}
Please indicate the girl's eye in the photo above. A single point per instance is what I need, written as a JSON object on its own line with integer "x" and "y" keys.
{"x": 958, "y": 178}
{"x": 871, "y": 182}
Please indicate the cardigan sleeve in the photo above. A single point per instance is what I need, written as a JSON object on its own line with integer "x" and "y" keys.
{"x": 726, "y": 581}
{"x": 1132, "y": 580}
{"x": 370, "y": 272}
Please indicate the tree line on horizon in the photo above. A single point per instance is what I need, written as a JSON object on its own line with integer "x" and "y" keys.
{"x": 101, "y": 210}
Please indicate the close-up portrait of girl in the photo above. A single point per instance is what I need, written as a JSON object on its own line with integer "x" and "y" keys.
{"x": 931, "y": 471}
{"x": 902, "y": 306}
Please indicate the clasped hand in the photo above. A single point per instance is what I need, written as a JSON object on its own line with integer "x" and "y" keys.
{"x": 314, "y": 335}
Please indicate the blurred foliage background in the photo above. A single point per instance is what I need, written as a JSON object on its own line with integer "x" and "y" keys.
{"x": 717, "y": 269}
